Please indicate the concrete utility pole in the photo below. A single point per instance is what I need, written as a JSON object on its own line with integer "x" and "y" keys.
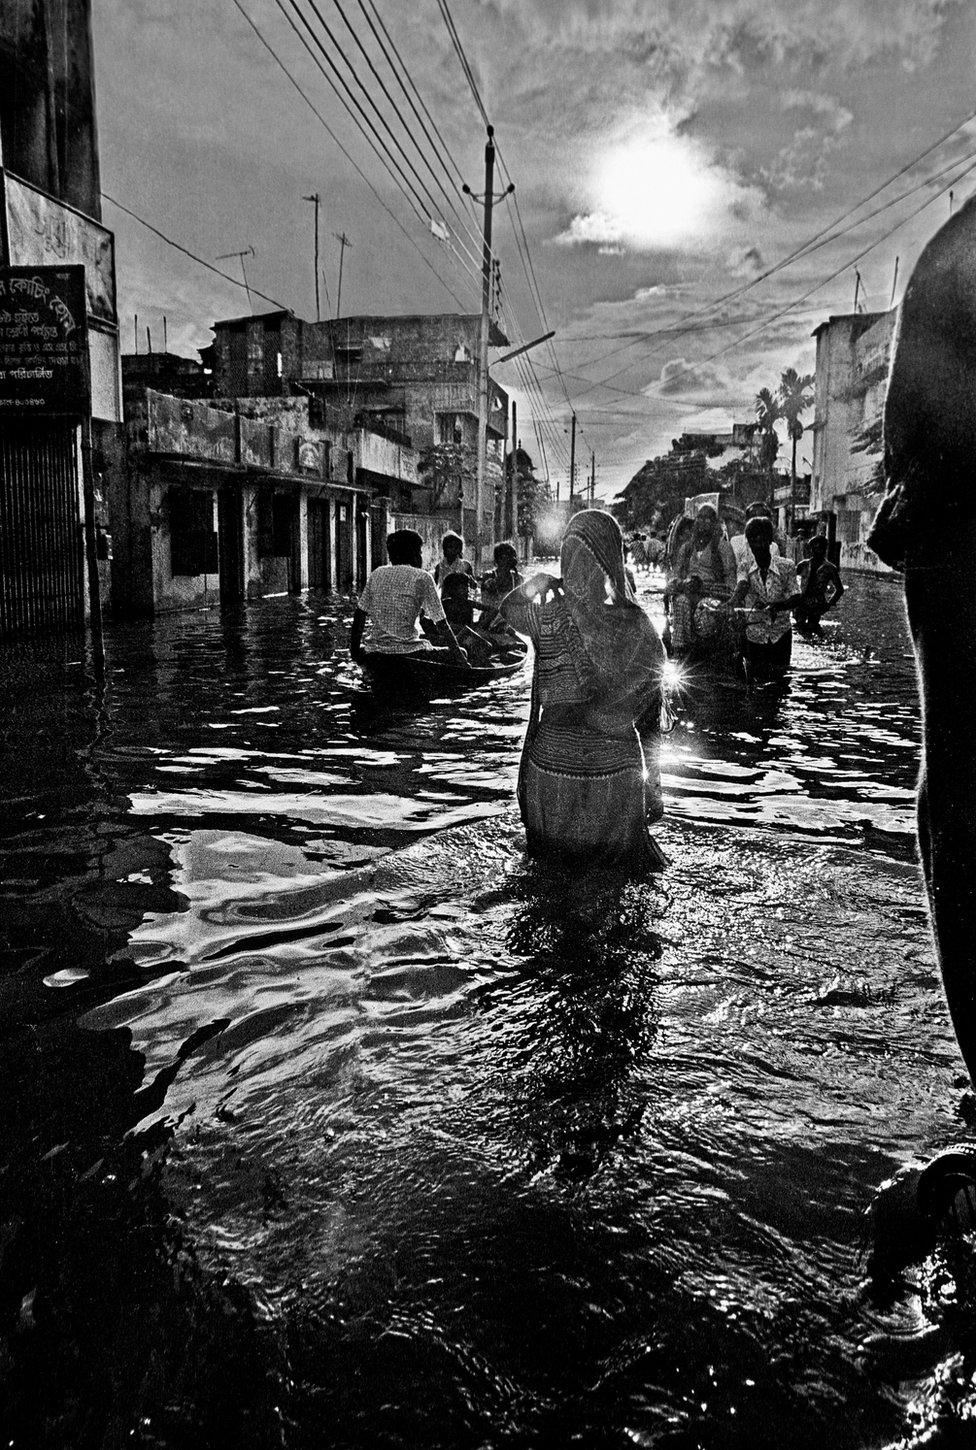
{"x": 344, "y": 242}
{"x": 572, "y": 461}
{"x": 514, "y": 506}
{"x": 316, "y": 201}
{"x": 488, "y": 201}
{"x": 592, "y": 479}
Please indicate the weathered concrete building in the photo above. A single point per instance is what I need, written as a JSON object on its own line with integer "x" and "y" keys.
{"x": 411, "y": 379}
{"x": 50, "y": 218}
{"x": 234, "y": 499}
{"x": 853, "y": 356}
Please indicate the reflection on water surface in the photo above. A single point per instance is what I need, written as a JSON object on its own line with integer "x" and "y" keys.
{"x": 440, "y": 1151}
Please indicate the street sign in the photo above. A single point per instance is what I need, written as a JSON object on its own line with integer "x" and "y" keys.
{"x": 43, "y": 342}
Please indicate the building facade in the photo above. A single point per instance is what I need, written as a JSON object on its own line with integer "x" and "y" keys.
{"x": 55, "y": 461}
{"x": 227, "y": 500}
{"x": 853, "y": 357}
{"x": 411, "y": 379}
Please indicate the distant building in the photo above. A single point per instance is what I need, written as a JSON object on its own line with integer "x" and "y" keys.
{"x": 166, "y": 372}
{"x": 412, "y": 379}
{"x": 723, "y": 463}
{"x": 234, "y": 499}
{"x": 853, "y": 356}
{"x": 50, "y": 202}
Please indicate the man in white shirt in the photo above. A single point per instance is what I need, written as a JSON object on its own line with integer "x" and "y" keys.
{"x": 395, "y": 596}
{"x": 769, "y": 591}
{"x": 743, "y": 554}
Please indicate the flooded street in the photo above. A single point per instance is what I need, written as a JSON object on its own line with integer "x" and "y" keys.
{"x": 382, "y": 1139}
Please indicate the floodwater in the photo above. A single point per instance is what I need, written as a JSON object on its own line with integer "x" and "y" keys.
{"x": 329, "y": 1122}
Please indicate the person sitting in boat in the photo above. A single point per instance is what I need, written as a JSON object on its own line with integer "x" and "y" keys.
{"x": 499, "y": 581}
{"x": 769, "y": 592}
{"x": 395, "y": 597}
{"x": 704, "y": 578}
{"x": 453, "y": 560}
{"x": 821, "y": 585}
{"x": 457, "y": 601}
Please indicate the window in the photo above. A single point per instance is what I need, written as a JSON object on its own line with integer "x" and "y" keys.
{"x": 192, "y": 538}
{"x": 275, "y": 519}
{"x": 450, "y": 428}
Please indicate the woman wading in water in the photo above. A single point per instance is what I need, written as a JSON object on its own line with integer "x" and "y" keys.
{"x": 584, "y": 790}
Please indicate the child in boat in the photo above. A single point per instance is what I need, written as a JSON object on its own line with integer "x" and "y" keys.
{"x": 821, "y": 584}
{"x": 453, "y": 561}
{"x": 395, "y": 596}
{"x": 499, "y": 581}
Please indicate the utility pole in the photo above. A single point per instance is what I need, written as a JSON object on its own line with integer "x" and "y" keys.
{"x": 488, "y": 201}
{"x": 592, "y": 479}
{"x": 572, "y": 462}
{"x": 512, "y": 510}
{"x": 857, "y": 287}
{"x": 344, "y": 242}
{"x": 316, "y": 200}
{"x": 894, "y": 284}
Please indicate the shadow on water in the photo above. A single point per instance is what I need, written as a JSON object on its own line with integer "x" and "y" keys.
{"x": 332, "y": 1122}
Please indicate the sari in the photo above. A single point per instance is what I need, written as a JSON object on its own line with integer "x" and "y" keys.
{"x": 694, "y": 620}
{"x": 584, "y": 787}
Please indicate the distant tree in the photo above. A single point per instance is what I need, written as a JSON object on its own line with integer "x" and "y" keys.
{"x": 446, "y": 468}
{"x": 767, "y": 416}
{"x": 795, "y": 397}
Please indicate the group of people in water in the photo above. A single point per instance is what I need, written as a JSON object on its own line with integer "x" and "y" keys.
{"x": 587, "y": 788}
{"x": 737, "y": 597}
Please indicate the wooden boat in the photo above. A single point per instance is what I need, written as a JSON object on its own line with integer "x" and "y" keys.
{"x": 419, "y": 673}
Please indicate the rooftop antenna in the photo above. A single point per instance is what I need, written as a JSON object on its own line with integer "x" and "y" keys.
{"x": 244, "y": 252}
{"x": 344, "y": 242}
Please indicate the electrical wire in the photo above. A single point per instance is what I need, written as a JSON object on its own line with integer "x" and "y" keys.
{"x": 438, "y": 180}
{"x": 363, "y": 125}
{"x": 178, "y": 246}
{"x": 352, "y": 161}
{"x": 432, "y": 207}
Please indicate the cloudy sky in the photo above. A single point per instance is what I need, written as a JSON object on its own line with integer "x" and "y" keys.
{"x": 666, "y": 153}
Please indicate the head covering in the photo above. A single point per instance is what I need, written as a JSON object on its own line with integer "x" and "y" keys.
{"x": 620, "y": 644}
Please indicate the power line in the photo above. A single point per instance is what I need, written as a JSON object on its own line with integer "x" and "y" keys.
{"x": 821, "y": 238}
{"x": 435, "y": 206}
{"x": 364, "y": 126}
{"x": 178, "y": 246}
{"x": 449, "y": 197}
{"x": 422, "y": 103}
{"x": 956, "y": 178}
{"x": 459, "y": 50}
{"x": 352, "y": 161}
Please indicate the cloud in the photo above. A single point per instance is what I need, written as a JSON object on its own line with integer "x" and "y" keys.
{"x": 746, "y": 262}
{"x": 682, "y": 379}
{"x": 835, "y": 116}
{"x": 651, "y": 189}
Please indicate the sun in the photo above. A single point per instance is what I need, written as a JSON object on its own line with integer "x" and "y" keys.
{"x": 660, "y": 190}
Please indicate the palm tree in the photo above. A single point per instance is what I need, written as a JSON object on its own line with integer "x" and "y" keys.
{"x": 767, "y": 415}
{"x": 794, "y": 398}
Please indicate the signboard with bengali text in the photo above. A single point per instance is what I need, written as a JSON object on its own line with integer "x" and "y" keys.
{"x": 46, "y": 233}
{"x": 43, "y": 341}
